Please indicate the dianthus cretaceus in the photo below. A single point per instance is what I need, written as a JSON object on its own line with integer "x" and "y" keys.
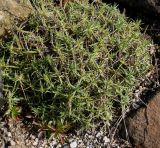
{"x": 62, "y": 3}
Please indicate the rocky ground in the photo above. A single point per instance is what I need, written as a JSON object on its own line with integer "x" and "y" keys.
{"x": 15, "y": 135}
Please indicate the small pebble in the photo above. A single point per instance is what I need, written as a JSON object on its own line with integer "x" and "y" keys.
{"x": 86, "y": 136}
{"x": 36, "y": 139}
{"x": 58, "y": 146}
{"x": 54, "y": 143}
{"x": 98, "y": 134}
{"x": 90, "y": 137}
{"x": 46, "y": 146}
{"x": 90, "y": 146}
{"x": 70, "y": 140}
{"x": 73, "y": 144}
{"x": 106, "y": 139}
{"x": 33, "y": 137}
{"x": 13, "y": 143}
{"x": 35, "y": 143}
{"x": 80, "y": 141}
{"x": 27, "y": 140}
{"x": 66, "y": 145}
{"x": 44, "y": 142}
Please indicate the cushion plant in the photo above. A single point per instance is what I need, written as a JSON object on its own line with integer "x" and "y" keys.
{"x": 72, "y": 65}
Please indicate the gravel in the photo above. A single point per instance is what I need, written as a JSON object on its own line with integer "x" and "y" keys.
{"x": 16, "y": 135}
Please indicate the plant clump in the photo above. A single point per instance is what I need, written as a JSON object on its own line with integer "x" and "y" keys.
{"x": 70, "y": 65}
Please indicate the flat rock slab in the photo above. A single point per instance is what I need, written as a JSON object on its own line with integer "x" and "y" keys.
{"x": 144, "y": 126}
{"x": 12, "y": 11}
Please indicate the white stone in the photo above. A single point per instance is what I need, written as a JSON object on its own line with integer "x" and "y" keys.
{"x": 106, "y": 139}
{"x": 98, "y": 134}
{"x": 90, "y": 137}
{"x": 80, "y": 141}
{"x": 33, "y": 137}
{"x": 35, "y": 143}
{"x": 13, "y": 143}
{"x": 73, "y": 144}
{"x": 44, "y": 143}
{"x": 58, "y": 146}
{"x": 36, "y": 139}
{"x": 9, "y": 134}
{"x": 70, "y": 140}
{"x": 54, "y": 143}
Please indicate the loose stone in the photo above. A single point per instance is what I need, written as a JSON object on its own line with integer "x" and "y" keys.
{"x": 73, "y": 144}
{"x": 98, "y": 134}
{"x": 65, "y": 146}
{"x": 35, "y": 143}
{"x": 106, "y": 139}
{"x": 13, "y": 143}
{"x": 59, "y": 146}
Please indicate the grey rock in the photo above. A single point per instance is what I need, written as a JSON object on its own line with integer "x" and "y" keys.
{"x": 66, "y": 146}
{"x": 148, "y": 6}
{"x": 90, "y": 146}
{"x": 70, "y": 140}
